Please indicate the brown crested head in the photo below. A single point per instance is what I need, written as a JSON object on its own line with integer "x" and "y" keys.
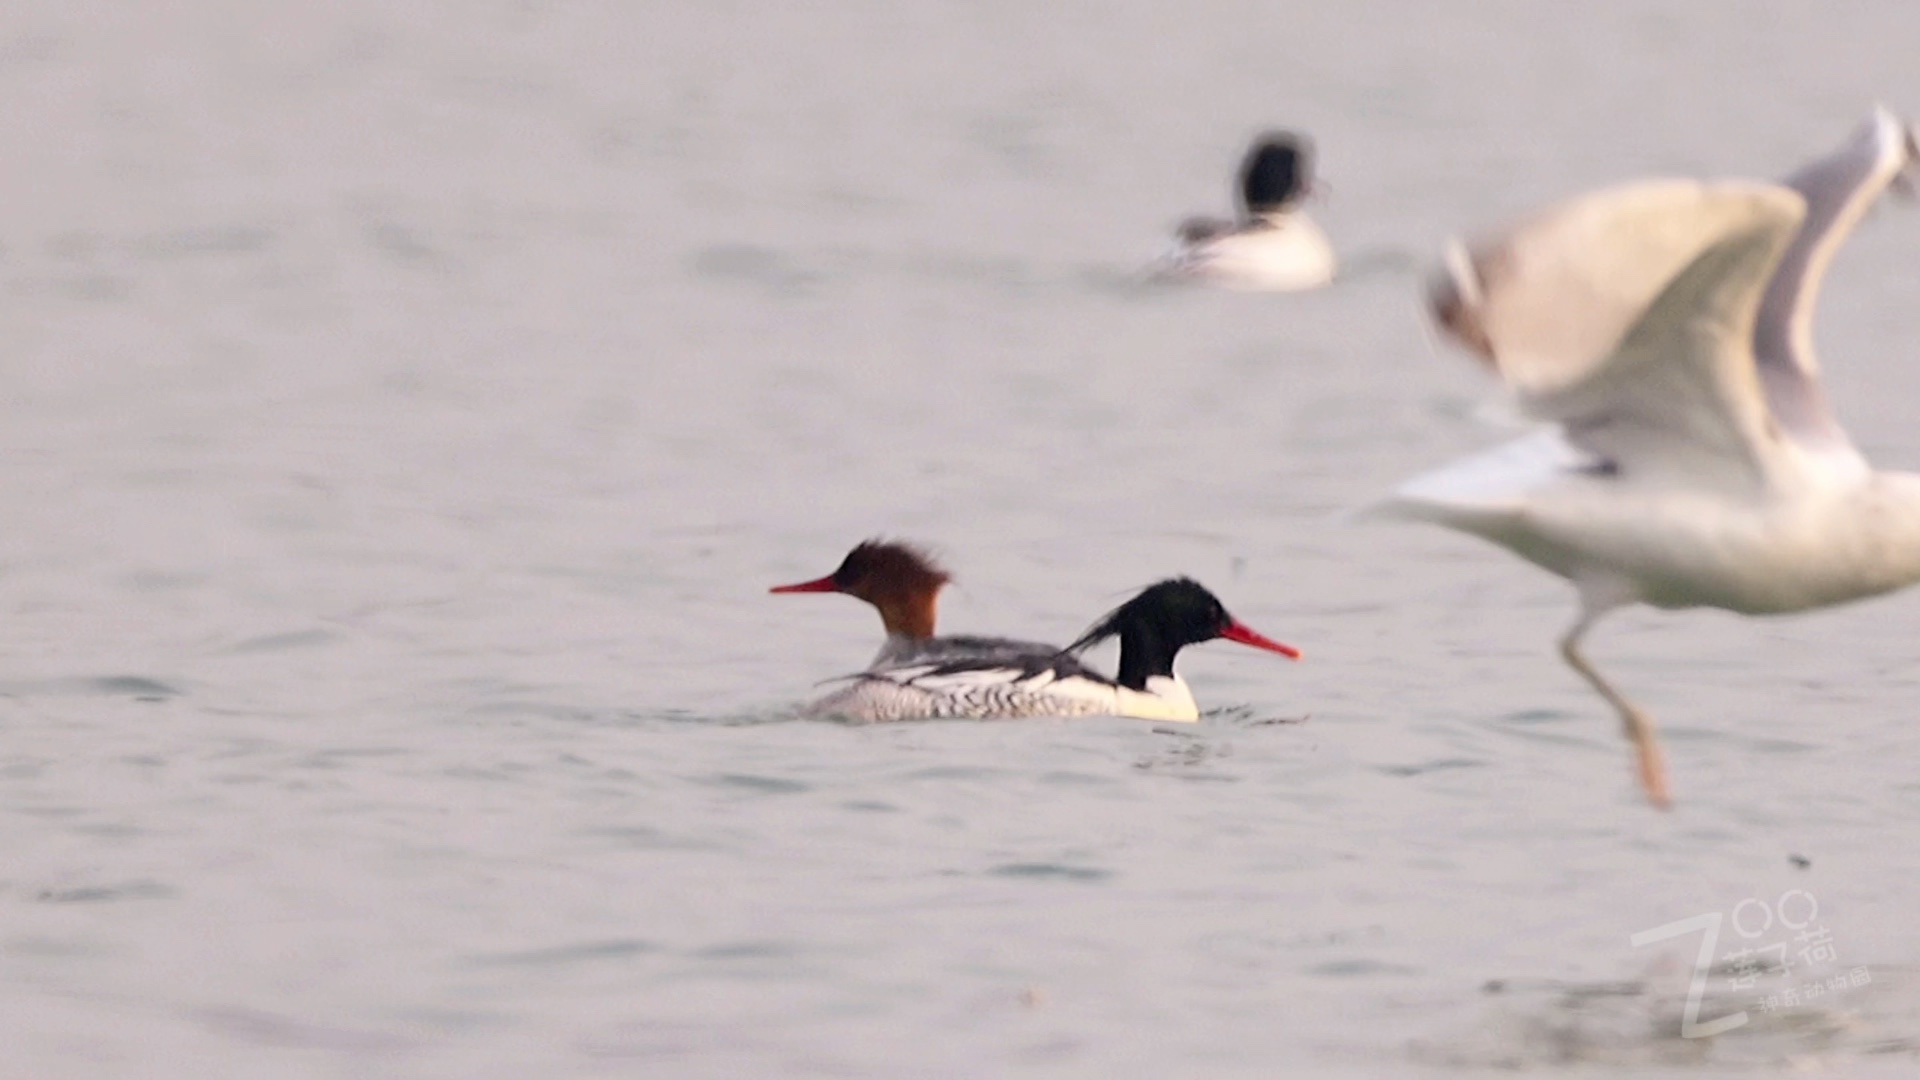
{"x": 898, "y": 578}
{"x": 883, "y": 565}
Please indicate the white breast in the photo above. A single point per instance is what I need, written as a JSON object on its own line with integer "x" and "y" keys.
{"x": 1281, "y": 253}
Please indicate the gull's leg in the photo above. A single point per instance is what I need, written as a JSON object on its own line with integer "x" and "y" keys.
{"x": 1638, "y": 725}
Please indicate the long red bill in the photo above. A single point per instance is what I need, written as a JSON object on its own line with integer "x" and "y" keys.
{"x": 824, "y": 584}
{"x": 1239, "y": 632}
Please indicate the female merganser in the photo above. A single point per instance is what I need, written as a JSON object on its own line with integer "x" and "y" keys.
{"x": 1274, "y": 246}
{"x": 1152, "y": 627}
{"x": 904, "y": 583}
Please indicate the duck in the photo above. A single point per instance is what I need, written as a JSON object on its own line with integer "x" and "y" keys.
{"x": 1152, "y": 627}
{"x": 1273, "y": 246}
{"x": 903, "y": 581}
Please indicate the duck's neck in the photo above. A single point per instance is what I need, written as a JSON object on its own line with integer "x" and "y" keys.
{"x": 909, "y": 615}
{"x": 1144, "y": 653}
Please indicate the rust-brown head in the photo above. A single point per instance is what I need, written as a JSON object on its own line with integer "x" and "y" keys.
{"x": 897, "y": 578}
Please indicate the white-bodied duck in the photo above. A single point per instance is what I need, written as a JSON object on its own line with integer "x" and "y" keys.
{"x": 1273, "y": 245}
{"x": 1152, "y": 627}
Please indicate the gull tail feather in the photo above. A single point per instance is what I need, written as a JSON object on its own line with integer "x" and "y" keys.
{"x": 1494, "y": 483}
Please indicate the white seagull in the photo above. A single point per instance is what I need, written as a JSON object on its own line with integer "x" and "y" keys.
{"x": 1664, "y": 328}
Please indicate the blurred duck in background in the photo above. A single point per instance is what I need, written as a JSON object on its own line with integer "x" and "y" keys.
{"x": 1273, "y": 245}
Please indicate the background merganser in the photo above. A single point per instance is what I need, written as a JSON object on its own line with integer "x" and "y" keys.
{"x": 903, "y": 582}
{"x": 1152, "y": 627}
{"x": 1273, "y": 246}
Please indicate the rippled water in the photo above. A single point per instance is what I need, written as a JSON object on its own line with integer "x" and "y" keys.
{"x": 405, "y": 411}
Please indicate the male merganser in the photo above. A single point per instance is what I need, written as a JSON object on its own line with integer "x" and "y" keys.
{"x": 1152, "y": 627}
{"x": 1274, "y": 246}
{"x": 904, "y": 583}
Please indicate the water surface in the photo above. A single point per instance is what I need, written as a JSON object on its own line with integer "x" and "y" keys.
{"x": 405, "y": 413}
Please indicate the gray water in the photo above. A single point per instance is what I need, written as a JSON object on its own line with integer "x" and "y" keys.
{"x": 406, "y": 407}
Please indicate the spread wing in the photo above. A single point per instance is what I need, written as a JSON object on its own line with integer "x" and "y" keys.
{"x": 1839, "y": 189}
{"x": 1627, "y": 316}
